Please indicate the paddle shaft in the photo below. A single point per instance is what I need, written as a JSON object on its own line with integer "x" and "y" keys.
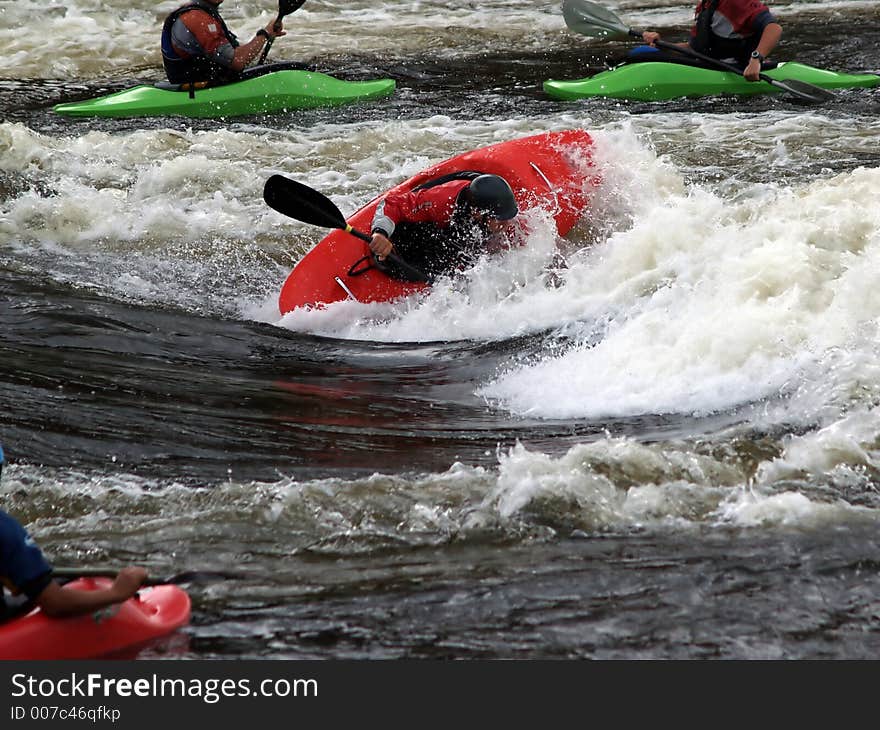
{"x": 277, "y": 26}
{"x": 358, "y": 234}
{"x": 185, "y": 577}
{"x": 285, "y": 7}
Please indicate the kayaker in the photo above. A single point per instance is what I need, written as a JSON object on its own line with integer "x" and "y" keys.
{"x": 198, "y": 47}
{"x": 743, "y": 32}
{"x": 444, "y": 225}
{"x": 26, "y": 572}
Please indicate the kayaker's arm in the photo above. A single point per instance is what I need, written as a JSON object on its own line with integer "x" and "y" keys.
{"x": 769, "y": 38}
{"x": 247, "y": 52}
{"x": 385, "y": 219}
{"x": 57, "y": 602}
{"x": 651, "y": 37}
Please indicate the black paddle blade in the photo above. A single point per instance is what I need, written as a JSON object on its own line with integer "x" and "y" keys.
{"x": 301, "y": 203}
{"x": 286, "y": 7}
{"x": 593, "y": 20}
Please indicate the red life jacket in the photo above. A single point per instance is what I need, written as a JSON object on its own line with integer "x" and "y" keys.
{"x": 182, "y": 70}
{"x": 739, "y": 16}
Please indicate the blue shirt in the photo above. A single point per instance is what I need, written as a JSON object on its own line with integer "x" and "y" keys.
{"x": 23, "y": 568}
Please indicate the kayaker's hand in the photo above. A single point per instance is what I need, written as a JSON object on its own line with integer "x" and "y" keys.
{"x": 273, "y": 32}
{"x": 127, "y": 582}
{"x": 381, "y": 246}
{"x": 753, "y": 70}
{"x": 650, "y": 37}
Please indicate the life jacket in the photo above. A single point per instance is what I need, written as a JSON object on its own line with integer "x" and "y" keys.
{"x": 709, "y": 43}
{"x": 182, "y": 70}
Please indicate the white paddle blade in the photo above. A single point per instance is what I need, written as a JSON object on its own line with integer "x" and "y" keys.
{"x": 593, "y": 20}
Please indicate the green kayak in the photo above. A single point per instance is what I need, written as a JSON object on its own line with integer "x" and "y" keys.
{"x": 270, "y": 92}
{"x": 656, "y": 81}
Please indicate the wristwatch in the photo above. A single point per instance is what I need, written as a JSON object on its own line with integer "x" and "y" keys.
{"x": 263, "y": 32}
{"x": 759, "y": 56}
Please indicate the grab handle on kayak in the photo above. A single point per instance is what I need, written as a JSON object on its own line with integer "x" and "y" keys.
{"x": 361, "y": 266}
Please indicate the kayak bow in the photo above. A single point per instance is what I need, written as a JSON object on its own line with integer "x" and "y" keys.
{"x": 125, "y": 627}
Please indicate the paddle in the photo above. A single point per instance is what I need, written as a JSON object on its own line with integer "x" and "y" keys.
{"x": 306, "y": 204}
{"x": 285, "y": 7}
{"x": 590, "y": 19}
{"x": 189, "y": 576}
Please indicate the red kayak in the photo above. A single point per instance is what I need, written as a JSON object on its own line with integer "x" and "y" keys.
{"x": 546, "y": 170}
{"x": 115, "y": 630}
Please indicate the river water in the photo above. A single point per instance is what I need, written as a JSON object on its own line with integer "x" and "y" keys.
{"x": 674, "y": 453}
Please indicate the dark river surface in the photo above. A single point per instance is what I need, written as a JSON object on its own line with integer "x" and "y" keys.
{"x": 674, "y": 453}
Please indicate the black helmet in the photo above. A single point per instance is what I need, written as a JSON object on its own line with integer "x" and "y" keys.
{"x": 492, "y": 194}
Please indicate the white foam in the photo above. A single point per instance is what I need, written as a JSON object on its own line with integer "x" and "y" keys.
{"x": 718, "y": 304}
{"x": 791, "y": 510}
{"x": 850, "y": 441}
{"x": 700, "y": 297}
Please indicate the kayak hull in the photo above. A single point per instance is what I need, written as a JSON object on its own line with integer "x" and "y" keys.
{"x": 272, "y": 92}
{"x": 153, "y": 613}
{"x": 546, "y": 170}
{"x": 658, "y": 81}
